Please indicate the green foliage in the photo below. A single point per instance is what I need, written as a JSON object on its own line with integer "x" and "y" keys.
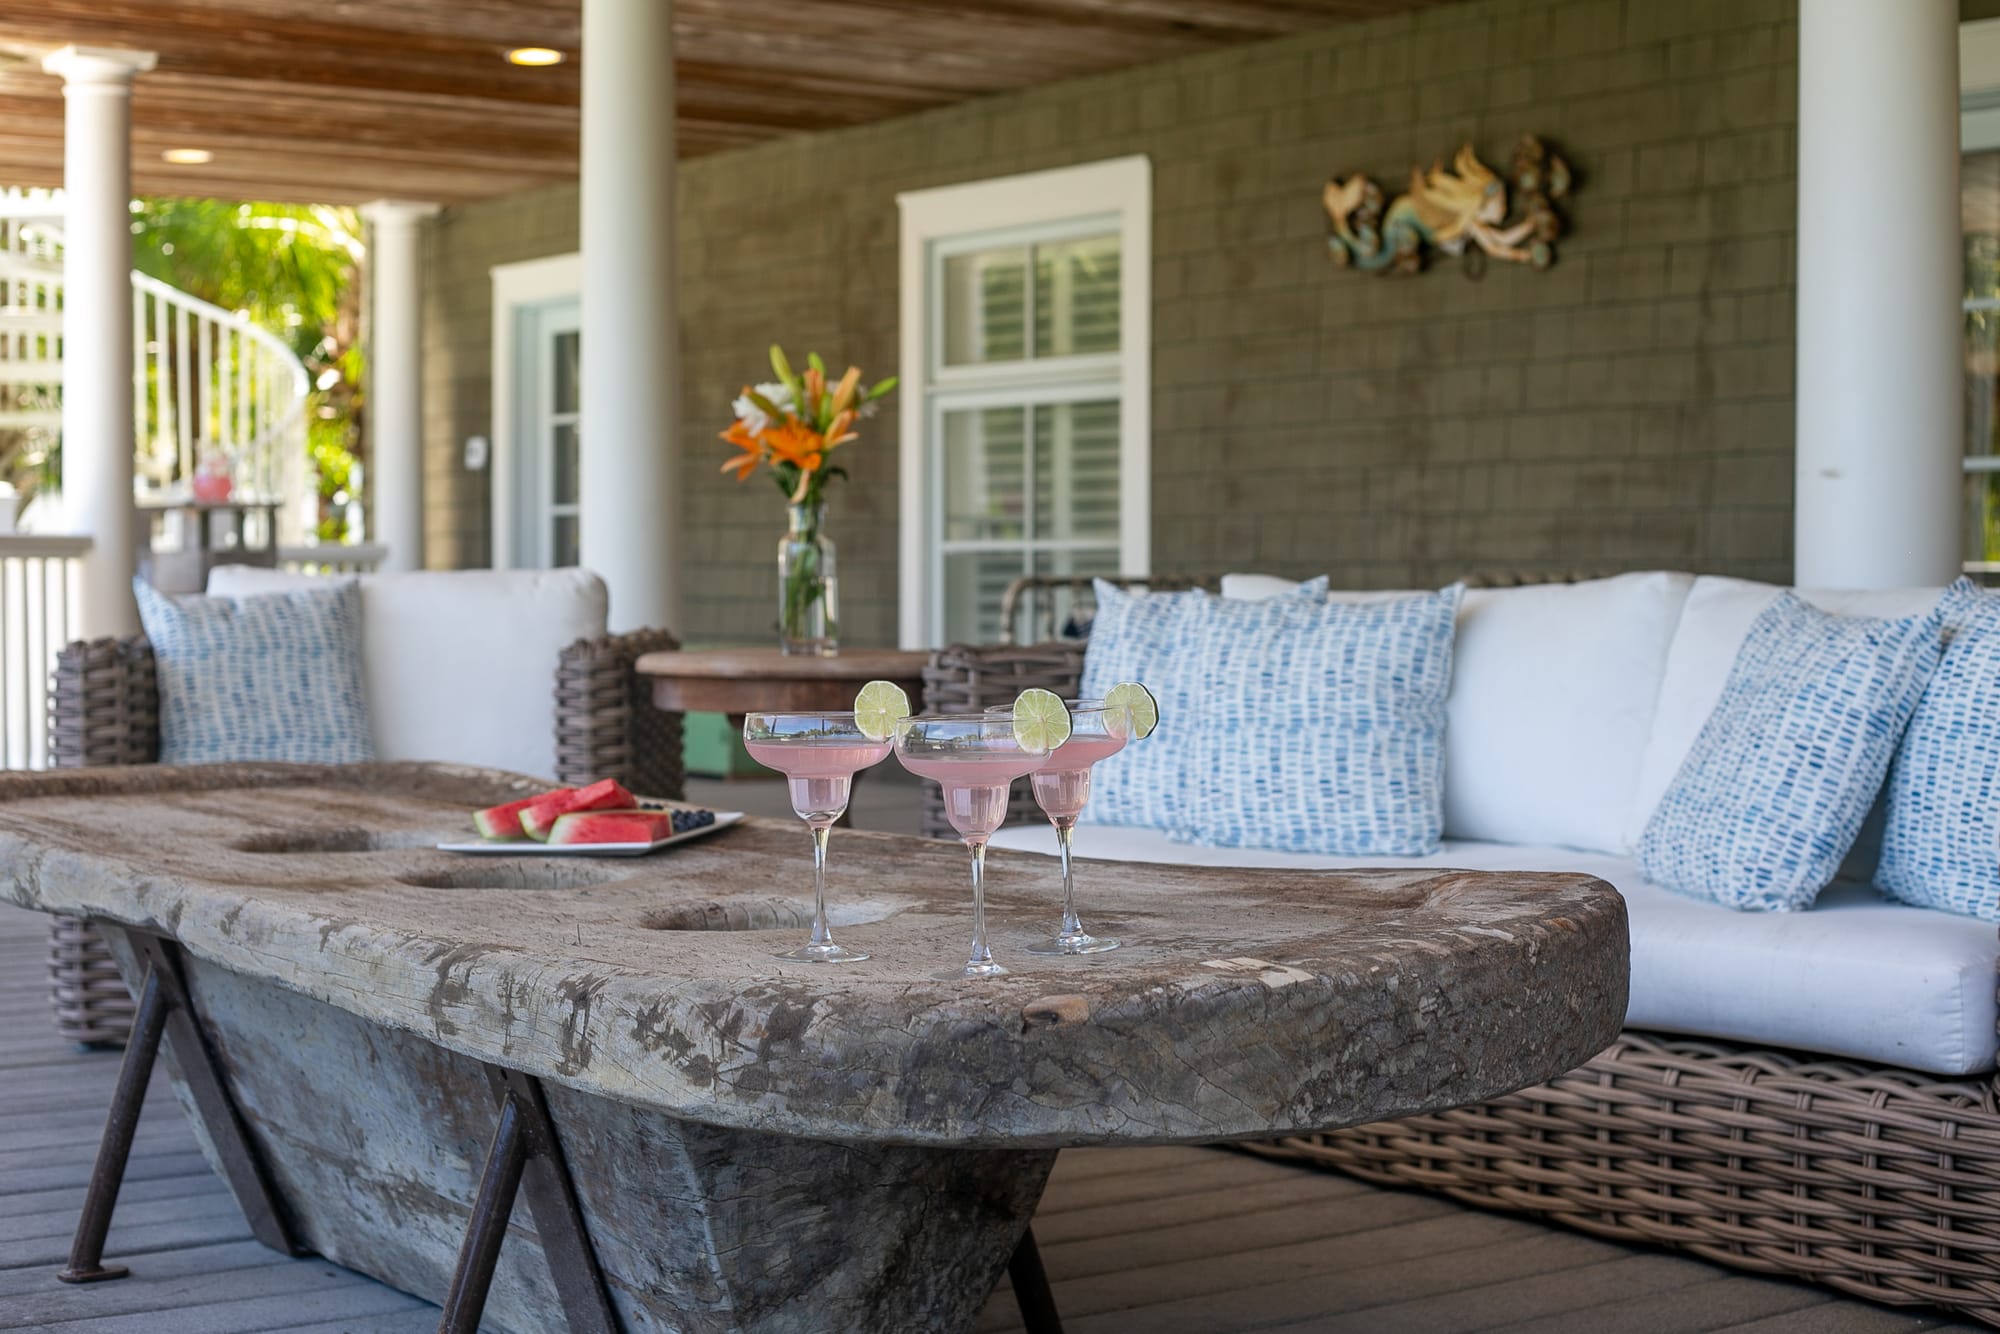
{"x": 292, "y": 268}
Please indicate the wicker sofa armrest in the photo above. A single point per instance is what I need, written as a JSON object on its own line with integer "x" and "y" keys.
{"x": 104, "y": 704}
{"x": 104, "y": 709}
{"x": 966, "y": 678}
{"x": 606, "y": 723}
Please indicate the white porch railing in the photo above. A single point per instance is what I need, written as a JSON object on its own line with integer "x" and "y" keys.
{"x": 38, "y": 605}
{"x": 209, "y": 380}
{"x": 332, "y": 558}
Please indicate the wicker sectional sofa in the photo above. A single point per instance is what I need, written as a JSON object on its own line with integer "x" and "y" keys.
{"x": 596, "y": 717}
{"x": 1877, "y": 1175}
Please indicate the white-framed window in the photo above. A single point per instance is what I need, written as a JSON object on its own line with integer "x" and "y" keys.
{"x": 1026, "y": 375}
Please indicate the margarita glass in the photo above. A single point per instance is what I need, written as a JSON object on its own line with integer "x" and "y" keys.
{"x": 975, "y": 758}
{"x": 1062, "y": 789}
{"x": 819, "y": 754}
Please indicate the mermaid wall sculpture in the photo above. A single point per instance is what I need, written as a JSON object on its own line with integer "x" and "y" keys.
{"x": 1463, "y": 211}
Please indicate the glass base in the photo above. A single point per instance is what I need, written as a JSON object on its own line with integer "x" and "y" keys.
{"x": 1081, "y": 943}
{"x": 971, "y": 970}
{"x": 827, "y": 953}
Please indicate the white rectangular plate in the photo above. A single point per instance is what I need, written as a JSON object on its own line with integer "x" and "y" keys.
{"x": 527, "y": 847}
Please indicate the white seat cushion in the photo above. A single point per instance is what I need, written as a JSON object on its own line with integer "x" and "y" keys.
{"x": 460, "y": 665}
{"x": 1553, "y": 690}
{"x": 1713, "y": 624}
{"x": 1854, "y": 976}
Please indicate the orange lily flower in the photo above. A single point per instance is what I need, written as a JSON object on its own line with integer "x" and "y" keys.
{"x": 796, "y": 444}
{"x": 837, "y": 432}
{"x": 753, "y": 451}
{"x": 843, "y": 394}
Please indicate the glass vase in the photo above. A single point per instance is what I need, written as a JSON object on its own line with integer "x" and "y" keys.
{"x": 808, "y": 585}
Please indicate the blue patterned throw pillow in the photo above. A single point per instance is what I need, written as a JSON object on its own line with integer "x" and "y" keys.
{"x": 1781, "y": 777}
{"x": 276, "y": 676}
{"x": 1141, "y": 636}
{"x": 1941, "y": 842}
{"x": 1320, "y": 725}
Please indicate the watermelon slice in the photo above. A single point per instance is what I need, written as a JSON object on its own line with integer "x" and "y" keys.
{"x": 504, "y": 821}
{"x": 612, "y": 827}
{"x": 539, "y": 816}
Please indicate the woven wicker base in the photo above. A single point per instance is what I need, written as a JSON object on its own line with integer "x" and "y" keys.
{"x": 92, "y": 1004}
{"x": 1881, "y": 1183}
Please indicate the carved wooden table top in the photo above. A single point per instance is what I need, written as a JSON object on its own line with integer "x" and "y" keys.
{"x": 1248, "y": 1003}
{"x": 737, "y": 681}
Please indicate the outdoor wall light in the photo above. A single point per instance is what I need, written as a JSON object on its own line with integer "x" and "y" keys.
{"x": 535, "y": 55}
{"x": 187, "y": 157}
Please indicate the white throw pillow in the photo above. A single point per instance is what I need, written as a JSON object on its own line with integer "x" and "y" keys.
{"x": 1259, "y": 587}
{"x": 1553, "y": 690}
{"x": 1256, "y": 587}
{"x": 1713, "y": 625}
{"x": 460, "y": 665}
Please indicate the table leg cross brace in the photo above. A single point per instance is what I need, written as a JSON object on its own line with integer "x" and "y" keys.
{"x": 164, "y": 1012}
{"x": 525, "y": 1152}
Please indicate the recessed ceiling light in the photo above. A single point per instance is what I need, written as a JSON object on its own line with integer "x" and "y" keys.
{"x": 535, "y": 55}
{"x": 187, "y": 157}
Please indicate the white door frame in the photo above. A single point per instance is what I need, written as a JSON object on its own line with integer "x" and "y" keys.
{"x": 531, "y": 282}
{"x": 1119, "y": 187}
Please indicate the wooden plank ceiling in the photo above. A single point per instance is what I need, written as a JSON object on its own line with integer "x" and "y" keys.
{"x": 343, "y": 100}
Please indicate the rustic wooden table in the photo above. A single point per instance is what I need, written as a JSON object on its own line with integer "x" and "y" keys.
{"x": 743, "y": 1142}
{"x": 737, "y": 681}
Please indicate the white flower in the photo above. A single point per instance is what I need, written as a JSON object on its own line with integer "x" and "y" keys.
{"x": 754, "y": 418}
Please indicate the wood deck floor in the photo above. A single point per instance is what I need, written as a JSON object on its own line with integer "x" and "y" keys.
{"x": 1150, "y": 1241}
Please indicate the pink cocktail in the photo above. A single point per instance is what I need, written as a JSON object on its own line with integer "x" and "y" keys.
{"x": 819, "y": 754}
{"x": 1062, "y": 784}
{"x": 975, "y": 758}
{"x": 819, "y": 773}
{"x": 975, "y": 785}
{"x": 1062, "y": 790}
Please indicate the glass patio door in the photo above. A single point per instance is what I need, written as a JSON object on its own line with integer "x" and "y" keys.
{"x": 546, "y": 460}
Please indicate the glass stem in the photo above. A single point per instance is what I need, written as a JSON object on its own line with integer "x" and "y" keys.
{"x": 980, "y": 953}
{"x": 1065, "y": 831}
{"x": 822, "y": 934}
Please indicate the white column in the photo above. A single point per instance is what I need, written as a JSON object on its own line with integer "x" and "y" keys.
{"x": 97, "y": 442}
{"x": 630, "y": 408}
{"x": 396, "y": 378}
{"x": 1880, "y": 388}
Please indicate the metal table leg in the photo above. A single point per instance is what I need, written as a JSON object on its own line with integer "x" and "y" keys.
{"x": 164, "y": 1011}
{"x": 1031, "y": 1288}
{"x": 525, "y": 1152}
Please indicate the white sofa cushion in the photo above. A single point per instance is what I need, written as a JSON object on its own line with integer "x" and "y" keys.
{"x": 1713, "y": 624}
{"x": 1256, "y": 587}
{"x": 1553, "y": 691}
{"x": 460, "y": 665}
{"x": 1259, "y": 587}
{"x": 1855, "y": 976}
